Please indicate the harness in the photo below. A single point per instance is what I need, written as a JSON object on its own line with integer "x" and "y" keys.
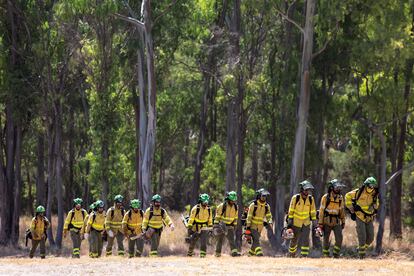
{"x": 357, "y": 207}
{"x": 130, "y": 216}
{"x": 93, "y": 220}
{"x": 223, "y": 211}
{"x": 256, "y": 206}
{"x": 326, "y": 213}
{"x": 113, "y": 212}
{"x": 201, "y": 224}
{"x": 152, "y": 214}
{"x": 70, "y": 226}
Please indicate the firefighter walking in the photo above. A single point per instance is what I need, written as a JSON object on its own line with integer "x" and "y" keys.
{"x": 332, "y": 217}
{"x": 302, "y": 212}
{"x": 113, "y": 224}
{"x": 38, "y": 227}
{"x": 95, "y": 228}
{"x": 132, "y": 228}
{"x": 85, "y": 224}
{"x": 226, "y": 217}
{"x": 154, "y": 219}
{"x": 73, "y": 224}
{"x": 201, "y": 217}
{"x": 363, "y": 204}
{"x": 259, "y": 212}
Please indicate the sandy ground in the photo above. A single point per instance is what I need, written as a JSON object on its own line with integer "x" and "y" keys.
{"x": 210, "y": 265}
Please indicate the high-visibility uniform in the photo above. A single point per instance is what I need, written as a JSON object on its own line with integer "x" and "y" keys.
{"x": 259, "y": 212}
{"x": 200, "y": 217}
{"x": 96, "y": 224}
{"x": 155, "y": 218}
{"x": 369, "y": 203}
{"x": 83, "y": 230}
{"x": 113, "y": 223}
{"x": 74, "y": 223}
{"x": 132, "y": 225}
{"x": 227, "y": 214}
{"x": 38, "y": 227}
{"x": 332, "y": 217}
{"x": 302, "y": 211}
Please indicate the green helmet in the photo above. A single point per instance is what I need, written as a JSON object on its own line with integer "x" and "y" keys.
{"x": 135, "y": 203}
{"x": 306, "y": 185}
{"x": 232, "y": 196}
{"x": 99, "y": 204}
{"x": 119, "y": 198}
{"x": 262, "y": 192}
{"x": 204, "y": 198}
{"x": 156, "y": 198}
{"x": 335, "y": 183}
{"x": 371, "y": 181}
{"x": 40, "y": 209}
{"x": 92, "y": 206}
{"x": 77, "y": 201}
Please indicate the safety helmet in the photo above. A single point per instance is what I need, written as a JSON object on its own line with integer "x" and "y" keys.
{"x": 135, "y": 203}
{"x": 99, "y": 204}
{"x": 40, "y": 209}
{"x": 306, "y": 185}
{"x": 204, "y": 198}
{"x": 371, "y": 181}
{"x": 262, "y": 192}
{"x": 77, "y": 201}
{"x": 92, "y": 206}
{"x": 156, "y": 198}
{"x": 232, "y": 196}
{"x": 118, "y": 198}
{"x": 335, "y": 183}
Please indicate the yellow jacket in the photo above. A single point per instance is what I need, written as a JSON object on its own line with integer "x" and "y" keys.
{"x": 113, "y": 219}
{"x": 156, "y": 219}
{"x": 230, "y": 215}
{"x": 85, "y": 223}
{"x": 132, "y": 222}
{"x": 257, "y": 214}
{"x": 334, "y": 213}
{"x": 200, "y": 217}
{"x": 74, "y": 219}
{"x": 302, "y": 211}
{"x": 365, "y": 201}
{"x": 96, "y": 221}
{"x": 38, "y": 227}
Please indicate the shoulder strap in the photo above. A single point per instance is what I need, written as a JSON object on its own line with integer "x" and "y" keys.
{"x": 151, "y": 213}
{"x": 129, "y": 214}
{"x": 72, "y": 215}
{"x": 328, "y": 200}
{"x": 197, "y": 210}
{"x": 162, "y": 212}
{"x": 359, "y": 193}
{"x": 297, "y": 199}
{"x": 122, "y": 212}
{"x": 112, "y": 213}
{"x": 141, "y": 212}
{"x": 310, "y": 199}
{"x": 223, "y": 210}
{"x": 93, "y": 217}
{"x": 267, "y": 208}
{"x": 255, "y": 208}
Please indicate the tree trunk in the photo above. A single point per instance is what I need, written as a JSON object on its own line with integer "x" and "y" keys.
{"x": 298, "y": 160}
{"x": 382, "y": 190}
{"x": 58, "y": 172}
{"x": 105, "y": 168}
{"x": 50, "y": 179}
{"x": 396, "y": 189}
{"x": 17, "y": 187}
{"x": 70, "y": 187}
{"x": 255, "y": 165}
{"x": 40, "y": 179}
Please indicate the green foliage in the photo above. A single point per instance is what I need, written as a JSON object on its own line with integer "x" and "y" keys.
{"x": 214, "y": 171}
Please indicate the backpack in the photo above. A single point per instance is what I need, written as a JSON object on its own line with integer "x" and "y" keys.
{"x": 223, "y": 211}
{"x": 140, "y": 211}
{"x": 256, "y": 206}
{"x": 198, "y": 211}
{"x": 73, "y": 215}
{"x": 152, "y": 213}
{"x": 113, "y": 212}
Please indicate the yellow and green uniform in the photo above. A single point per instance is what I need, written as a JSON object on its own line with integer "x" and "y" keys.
{"x": 96, "y": 224}
{"x": 132, "y": 225}
{"x": 113, "y": 223}
{"x": 227, "y": 214}
{"x": 38, "y": 227}
{"x": 332, "y": 217}
{"x": 74, "y": 223}
{"x": 368, "y": 201}
{"x": 83, "y": 230}
{"x": 302, "y": 211}
{"x": 155, "y": 218}
{"x": 200, "y": 217}
{"x": 259, "y": 212}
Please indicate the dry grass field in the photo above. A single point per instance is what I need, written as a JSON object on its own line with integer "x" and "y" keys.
{"x": 397, "y": 259}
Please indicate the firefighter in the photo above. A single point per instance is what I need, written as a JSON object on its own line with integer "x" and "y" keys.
{"x": 332, "y": 217}
{"x": 302, "y": 213}
{"x": 38, "y": 229}
{"x": 95, "y": 228}
{"x": 154, "y": 219}
{"x": 73, "y": 224}
{"x": 201, "y": 217}
{"x": 113, "y": 224}
{"x": 363, "y": 204}
{"x": 85, "y": 223}
{"x": 226, "y": 217}
{"x": 132, "y": 228}
{"x": 258, "y": 214}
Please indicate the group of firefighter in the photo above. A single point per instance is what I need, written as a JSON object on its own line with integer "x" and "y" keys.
{"x": 137, "y": 226}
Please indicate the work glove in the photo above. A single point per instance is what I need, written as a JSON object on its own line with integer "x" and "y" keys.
{"x": 314, "y": 223}
{"x": 190, "y": 231}
{"x": 290, "y": 223}
{"x": 172, "y": 227}
{"x": 320, "y": 226}
{"x": 86, "y": 235}
{"x": 65, "y": 233}
{"x": 110, "y": 233}
{"x": 343, "y": 225}
{"x": 353, "y": 216}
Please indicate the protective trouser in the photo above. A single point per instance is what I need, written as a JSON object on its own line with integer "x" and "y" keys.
{"x": 337, "y": 229}
{"x": 35, "y": 243}
{"x": 256, "y": 249}
{"x": 96, "y": 243}
{"x": 119, "y": 238}
{"x": 155, "y": 242}
{"x": 230, "y": 238}
{"x": 203, "y": 236}
{"x": 302, "y": 234}
{"x": 139, "y": 243}
{"x": 76, "y": 241}
{"x": 365, "y": 231}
